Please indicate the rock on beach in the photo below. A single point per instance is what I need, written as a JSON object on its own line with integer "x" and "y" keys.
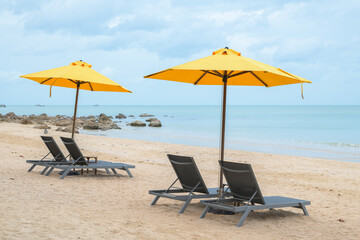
{"x": 150, "y": 119}
{"x": 155, "y": 123}
{"x": 146, "y": 115}
{"x": 137, "y": 124}
{"x": 120, "y": 115}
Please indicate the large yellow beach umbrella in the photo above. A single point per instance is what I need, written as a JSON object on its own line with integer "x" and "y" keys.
{"x": 77, "y": 75}
{"x": 227, "y": 67}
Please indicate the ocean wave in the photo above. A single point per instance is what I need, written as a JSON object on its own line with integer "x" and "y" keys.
{"x": 352, "y": 145}
{"x": 337, "y": 144}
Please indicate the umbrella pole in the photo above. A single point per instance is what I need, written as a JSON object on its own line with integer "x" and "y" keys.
{"x": 76, "y": 102}
{"x": 222, "y": 149}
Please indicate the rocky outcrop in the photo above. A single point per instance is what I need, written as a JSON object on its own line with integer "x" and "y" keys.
{"x": 44, "y": 117}
{"x": 42, "y": 126}
{"x": 103, "y": 118}
{"x": 120, "y": 115}
{"x": 146, "y": 115}
{"x": 150, "y": 119}
{"x": 155, "y": 123}
{"x": 91, "y": 125}
{"x": 27, "y": 121}
{"x": 115, "y": 126}
{"x": 11, "y": 115}
{"x": 4, "y": 118}
{"x": 67, "y": 129}
{"x": 63, "y": 123}
{"x": 137, "y": 124}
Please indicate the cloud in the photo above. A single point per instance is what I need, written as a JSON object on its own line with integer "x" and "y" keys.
{"x": 120, "y": 19}
{"x": 226, "y": 18}
{"x": 313, "y": 39}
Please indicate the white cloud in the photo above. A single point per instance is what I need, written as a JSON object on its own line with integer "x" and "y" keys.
{"x": 226, "y": 18}
{"x": 118, "y": 20}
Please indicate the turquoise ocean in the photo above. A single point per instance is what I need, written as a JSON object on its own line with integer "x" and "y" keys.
{"x": 331, "y": 132}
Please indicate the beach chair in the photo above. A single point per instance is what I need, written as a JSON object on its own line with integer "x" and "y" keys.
{"x": 246, "y": 195}
{"x": 80, "y": 162}
{"x": 54, "y": 150}
{"x": 193, "y": 186}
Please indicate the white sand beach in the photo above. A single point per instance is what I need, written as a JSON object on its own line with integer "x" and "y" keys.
{"x": 104, "y": 206}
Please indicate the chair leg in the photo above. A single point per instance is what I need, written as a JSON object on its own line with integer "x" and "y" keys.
{"x": 304, "y": 209}
{"x": 128, "y": 172}
{"x": 48, "y": 173}
{"x": 187, "y": 202}
{"x": 243, "y": 217}
{"x": 32, "y": 167}
{"x": 205, "y": 211}
{"x": 45, "y": 169}
{"x": 155, "y": 200}
{"x": 114, "y": 171}
{"x": 107, "y": 171}
{"x": 65, "y": 173}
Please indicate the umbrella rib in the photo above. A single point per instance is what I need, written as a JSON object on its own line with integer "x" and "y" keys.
{"x": 212, "y": 73}
{"x": 72, "y": 80}
{"x": 90, "y": 86}
{"x": 147, "y": 76}
{"x": 237, "y": 74}
{"x": 259, "y": 79}
{"x": 197, "y": 81}
{"x": 45, "y": 80}
{"x": 220, "y": 75}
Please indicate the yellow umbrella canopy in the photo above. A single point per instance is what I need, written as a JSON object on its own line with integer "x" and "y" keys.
{"x": 238, "y": 69}
{"x": 227, "y": 67}
{"x": 77, "y": 75}
{"x": 77, "y": 72}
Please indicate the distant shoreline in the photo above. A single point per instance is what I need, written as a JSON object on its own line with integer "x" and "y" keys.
{"x": 327, "y": 132}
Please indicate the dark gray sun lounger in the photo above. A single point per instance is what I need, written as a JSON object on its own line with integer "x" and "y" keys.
{"x": 246, "y": 195}
{"x": 193, "y": 186}
{"x": 79, "y": 161}
{"x": 57, "y": 156}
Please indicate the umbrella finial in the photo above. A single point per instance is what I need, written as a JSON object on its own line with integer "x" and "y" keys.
{"x": 226, "y": 48}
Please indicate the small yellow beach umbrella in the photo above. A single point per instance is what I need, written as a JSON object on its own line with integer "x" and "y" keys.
{"x": 77, "y": 75}
{"x": 227, "y": 67}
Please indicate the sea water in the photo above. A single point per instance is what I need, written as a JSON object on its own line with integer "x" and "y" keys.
{"x": 331, "y": 132}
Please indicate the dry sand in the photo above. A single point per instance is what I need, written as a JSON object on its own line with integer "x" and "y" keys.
{"x": 33, "y": 206}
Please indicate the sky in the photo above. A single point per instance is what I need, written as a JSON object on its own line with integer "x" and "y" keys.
{"x": 126, "y": 40}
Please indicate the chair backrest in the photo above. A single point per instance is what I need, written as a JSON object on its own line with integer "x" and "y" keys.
{"x": 188, "y": 173}
{"x": 53, "y": 148}
{"x": 74, "y": 150}
{"x": 242, "y": 182}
